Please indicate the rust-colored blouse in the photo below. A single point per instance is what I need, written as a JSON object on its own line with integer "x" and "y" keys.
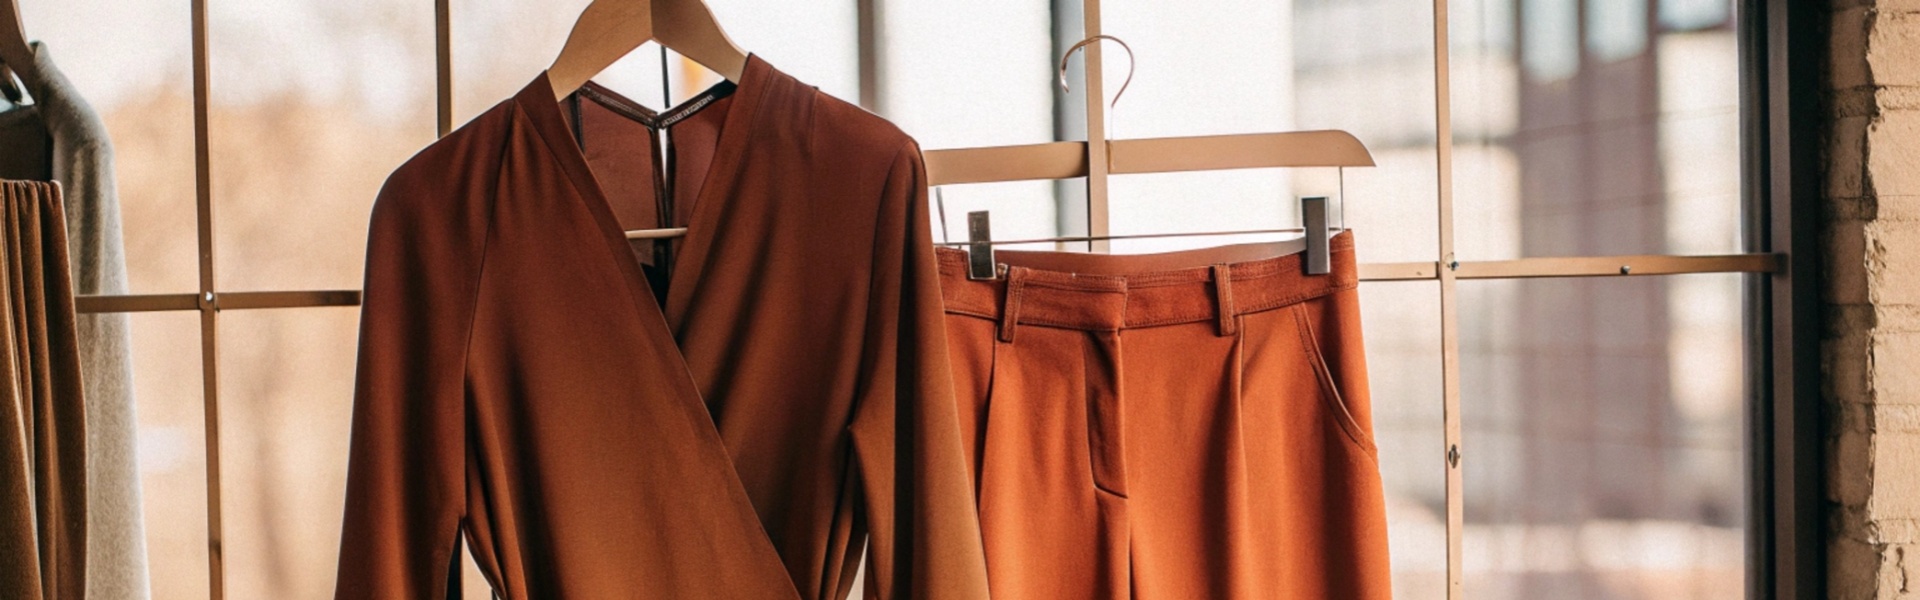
{"x": 521, "y": 379}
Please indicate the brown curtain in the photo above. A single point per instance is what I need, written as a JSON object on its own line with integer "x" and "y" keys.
{"x": 43, "y": 447}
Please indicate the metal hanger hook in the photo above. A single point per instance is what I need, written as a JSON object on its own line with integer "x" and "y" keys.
{"x": 1084, "y": 43}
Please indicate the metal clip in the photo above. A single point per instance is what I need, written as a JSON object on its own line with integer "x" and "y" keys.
{"x": 1313, "y": 216}
{"x": 980, "y": 264}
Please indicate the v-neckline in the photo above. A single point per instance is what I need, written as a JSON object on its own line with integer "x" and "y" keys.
{"x": 655, "y": 120}
{"x": 537, "y": 101}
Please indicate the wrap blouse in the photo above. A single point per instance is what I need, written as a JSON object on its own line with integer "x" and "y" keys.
{"x": 520, "y": 381}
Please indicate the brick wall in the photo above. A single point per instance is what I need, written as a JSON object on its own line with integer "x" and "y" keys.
{"x": 1871, "y": 345}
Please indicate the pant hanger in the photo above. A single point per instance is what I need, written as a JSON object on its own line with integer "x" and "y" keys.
{"x": 1180, "y": 154}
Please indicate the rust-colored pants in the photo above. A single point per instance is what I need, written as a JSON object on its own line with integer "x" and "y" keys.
{"x": 1181, "y": 425}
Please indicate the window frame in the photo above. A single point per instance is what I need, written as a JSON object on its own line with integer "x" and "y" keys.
{"x": 1782, "y": 51}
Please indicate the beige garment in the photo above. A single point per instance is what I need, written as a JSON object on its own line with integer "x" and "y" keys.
{"x": 43, "y": 452}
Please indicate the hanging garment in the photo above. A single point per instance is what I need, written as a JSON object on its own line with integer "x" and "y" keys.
{"x": 59, "y": 137}
{"x": 1182, "y": 425}
{"x": 43, "y": 454}
{"x": 737, "y": 437}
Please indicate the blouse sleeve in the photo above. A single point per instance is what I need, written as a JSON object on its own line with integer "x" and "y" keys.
{"x": 406, "y": 471}
{"x": 925, "y": 530}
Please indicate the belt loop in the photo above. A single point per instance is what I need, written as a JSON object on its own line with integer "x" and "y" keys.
{"x": 1223, "y": 298}
{"x": 1010, "y": 302}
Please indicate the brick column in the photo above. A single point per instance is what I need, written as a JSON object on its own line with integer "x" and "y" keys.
{"x": 1870, "y": 350}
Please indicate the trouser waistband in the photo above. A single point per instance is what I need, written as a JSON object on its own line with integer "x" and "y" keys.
{"x": 1110, "y": 292}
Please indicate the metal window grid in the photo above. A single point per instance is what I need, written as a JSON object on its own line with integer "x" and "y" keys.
{"x": 1778, "y": 92}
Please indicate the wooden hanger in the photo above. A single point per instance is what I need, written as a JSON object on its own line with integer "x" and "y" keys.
{"x": 1066, "y": 160}
{"x": 15, "y": 54}
{"x": 611, "y": 29}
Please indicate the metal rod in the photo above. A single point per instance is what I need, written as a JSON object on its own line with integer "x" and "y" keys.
{"x": 209, "y": 344}
{"x": 1613, "y": 266}
{"x": 443, "y": 66}
{"x": 295, "y": 299}
{"x": 1450, "y": 450}
{"x": 1524, "y": 268}
{"x": 657, "y": 234}
{"x": 1134, "y": 236}
{"x": 867, "y": 30}
{"x": 1098, "y": 218}
{"x": 443, "y": 96}
{"x": 136, "y": 303}
{"x": 1407, "y": 271}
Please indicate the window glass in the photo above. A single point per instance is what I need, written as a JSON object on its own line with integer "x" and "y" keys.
{"x": 132, "y": 61}
{"x": 1631, "y": 148}
{"x": 500, "y": 45}
{"x": 1603, "y": 437}
{"x": 1550, "y": 38}
{"x": 991, "y": 86}
{"x": 1243, "y": 66}
{"x": 1402, "y": 331}
{"x": 813, "y": 41}
{"x": 1616, "y": 29}
{"x": 314, "y": 103}
{"x": 1694, "y": 14}
{"x": 170, "y": 420}
{"x": 286, "y": 405}
{"x": 968, "y": 73}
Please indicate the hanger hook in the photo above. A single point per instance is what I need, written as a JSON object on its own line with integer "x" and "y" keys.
{"x": 1089, "y": 41}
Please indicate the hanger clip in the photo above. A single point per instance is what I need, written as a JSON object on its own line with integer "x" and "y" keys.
{"x": 1313, "y": 216}
{"x": 980, "y": 264}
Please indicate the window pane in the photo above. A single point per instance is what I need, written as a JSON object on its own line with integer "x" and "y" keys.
{"x": 1402, "y": 325}
{"x": 960, "y": 73}
{"x": 171, "y": 422}
{"x": 957, "y": 74}
{"x": 286, "y": 400}
{"x": 1245, "y": 66}
{"x": 500, "y": 45}
{"x": 1603, "y": 437}
{"x": 1022, "y": 210}
{"x": 815, "y": 42}
{"x": 1630, "y": 148}
{"x": 314, "y": 103}
{"x": 131, "y": 60}
{"x": 1367, "y": 67}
